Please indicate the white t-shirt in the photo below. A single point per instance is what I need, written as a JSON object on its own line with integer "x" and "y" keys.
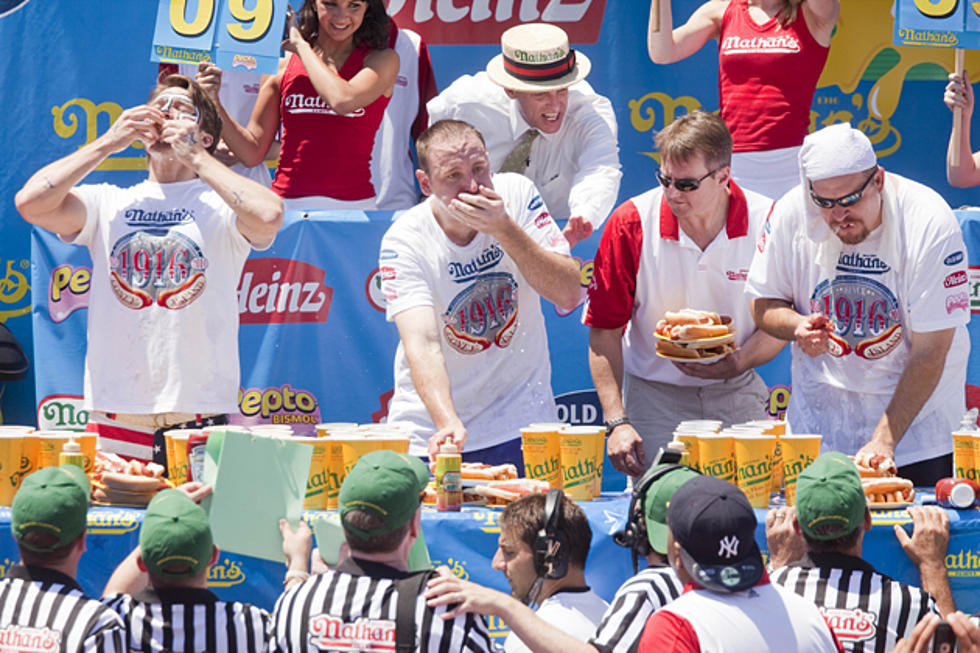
{"x": 576, "y": 169}
{"x": 491, "y": 326}
{"x": 875, "y": 305}
{"x": 238, "y": 93}
{"x": 577, "y": 613}
{"x": 163, "y": 307}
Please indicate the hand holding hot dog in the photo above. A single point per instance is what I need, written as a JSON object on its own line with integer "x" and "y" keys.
{"x": 813, "y": 334}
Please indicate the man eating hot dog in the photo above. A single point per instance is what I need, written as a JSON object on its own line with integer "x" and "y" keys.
{"x": 167, "y": 255}
{"x": 686, "y": 244}
{"x": 865, "y": 273}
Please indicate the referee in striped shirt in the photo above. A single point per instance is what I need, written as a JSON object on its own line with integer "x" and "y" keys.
{"x": 867, "y": 610}
{"x": 42, "y": 607}
{"x": 355, "y": 606}
{"x": 634, "y": 602}
{"x": 176, "y": 612}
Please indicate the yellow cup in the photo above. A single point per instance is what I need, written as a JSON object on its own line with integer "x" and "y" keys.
{"x": 690, "y": 440}
{"x": 335, "y": 472}
{"x": 964, "y": 458}
{"x": 753, "y": 471}
{"x": 974, "y": 473}
{"x": 596, "y": 436}
{"x": 716, "y": 455}
{"x": 708, "y": 425}
{"x": 600, "y": 458}
{"x": 327, "y": 429}
{"x": 316, "y": 480}
{"x": 542, "y": 453}
{"x": 181, "y": 463}
{"x": 353, "y": 447}
{"x": 578, "y": 468}
{"x": 18, "y": 458}
{"x": 397, "y": 443}
{"x": 799, "y": 450}
{"x": 15, "y": 429}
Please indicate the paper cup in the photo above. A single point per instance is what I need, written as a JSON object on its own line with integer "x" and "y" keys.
{"x": 716, "y": 455}
{"x": 753, "y": 471}
{"x": 15, "y": 429}
{"x": 974, "y": 474}
{"x": 316, "y": 480}
{"x": 600, "y": 459}
{"x": 799, "y": 450}
{"x": 711, "y": 425}
{"x": 577, "y": 454}
{"x": 335, "y": 472}
{"x": 964, "y": 458}
{"x": 353, "y": 447}
{"x": 327, "y": 429}
{"x": 51, "y": 444}
{"x": 18, "y": 458}
{"x": 181, "y": 465}
{"x": 390, "y": 441}
{"x": 542, "y": 454}
{"x": 690, "y": 440}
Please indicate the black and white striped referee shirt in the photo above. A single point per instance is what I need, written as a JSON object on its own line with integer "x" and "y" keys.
{"x": 637, "y": 599}
{"x": 44, "y": 610}
{"x": 190, "y": 620}
{"x": 868, "y": 611}
{"x": 340, "y": 611}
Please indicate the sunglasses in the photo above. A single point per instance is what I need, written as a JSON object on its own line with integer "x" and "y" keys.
{"x": 685, "y": 185}
{"x": 847, "y": 200}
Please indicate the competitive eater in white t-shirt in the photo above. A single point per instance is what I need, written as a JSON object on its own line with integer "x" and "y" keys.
{"x": 865, "y": 273}
{"x": 462, "y": 274}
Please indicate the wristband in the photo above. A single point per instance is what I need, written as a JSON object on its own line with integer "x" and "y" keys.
{"x": 611, "y": 424}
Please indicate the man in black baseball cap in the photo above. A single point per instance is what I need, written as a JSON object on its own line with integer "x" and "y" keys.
{"x": 728, "y": 603}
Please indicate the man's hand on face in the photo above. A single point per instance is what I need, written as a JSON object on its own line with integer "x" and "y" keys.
{"x": 483, "y": 210}
{"x": 185, "y": 138}
{"x": 140, "y": 123}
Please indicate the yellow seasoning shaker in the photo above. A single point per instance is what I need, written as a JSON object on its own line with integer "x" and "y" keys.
{"x": 71, "y": 454}
{"x": 449, "y": 488}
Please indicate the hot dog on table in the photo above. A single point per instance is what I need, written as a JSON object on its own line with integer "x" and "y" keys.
{"x": 879, "y": 480}
{"x": 125, "y": 482}
{"x": 680, "y": 332}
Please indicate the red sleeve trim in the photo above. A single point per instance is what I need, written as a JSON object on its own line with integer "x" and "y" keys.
{"x": 617, "y": 261}
{"x": 667, "y": 632}
{"x": 669, "y": 228}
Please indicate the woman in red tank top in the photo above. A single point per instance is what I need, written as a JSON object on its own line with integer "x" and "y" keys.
{"x": 771, "y": 54}
{"x": 327, "y": 99}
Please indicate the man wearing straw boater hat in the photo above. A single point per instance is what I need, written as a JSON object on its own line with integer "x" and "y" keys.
{"x": 865, "y": 273}
{"x": 542, "y": 120}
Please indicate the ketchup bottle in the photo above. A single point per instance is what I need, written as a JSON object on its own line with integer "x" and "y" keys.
{"x": 449, "y": 488}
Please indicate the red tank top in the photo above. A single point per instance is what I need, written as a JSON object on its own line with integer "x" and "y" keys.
{"x": 766, "y": 79}
{"x": 324, "y": 153}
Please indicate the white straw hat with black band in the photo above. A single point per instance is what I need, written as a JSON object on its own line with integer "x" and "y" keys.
{"x": 536, "y": 57}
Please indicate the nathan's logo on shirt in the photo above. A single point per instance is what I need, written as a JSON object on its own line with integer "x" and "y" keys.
{"x": 954, "y": 258}
{"x": 25, "y": 639}
{"x": 865, "y": 316}
{"x": 957, "y": 278}
{"x": 280, "y": 290}
{"x": 957, "y": 301}
{"x": 543, "y": 220}
{"x": 737, "y": 275}
{"x": 760, "y": 44}
{"x": 853, "y": 625}
{"x": 862, "y": 263}
{"x": 158, "y": 218}
{"x": 536, "y": 203}
{"x": 488, "y": 258}
{"x": 157, "y": 266}
{"x": 485, "y": 313}
{"x": 328, "y": 633}
{"x": 297, "y": 103}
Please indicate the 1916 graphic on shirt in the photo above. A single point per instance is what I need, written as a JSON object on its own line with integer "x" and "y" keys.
{"x": 157, "y": 266}
{"x": 865, "y": 315}
{"x": 484, "y": 313}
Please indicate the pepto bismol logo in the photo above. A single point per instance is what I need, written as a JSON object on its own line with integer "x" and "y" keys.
{"x": 282, "y": 405}
{"x": 68, "y": 291}
{"x": 279, "y": 290}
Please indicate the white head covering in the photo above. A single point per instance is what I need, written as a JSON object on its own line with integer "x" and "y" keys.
{"x": 835, "y": 151}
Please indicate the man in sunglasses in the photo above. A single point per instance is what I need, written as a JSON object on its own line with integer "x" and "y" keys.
{"x": 167, "y": 255}
{"x": 685, "y": 244}
{"x": 865, "y": 273}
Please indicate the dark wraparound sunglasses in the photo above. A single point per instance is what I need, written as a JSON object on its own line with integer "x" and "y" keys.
{"x": 847, "y": 200}
{"x": 685, "y": 185}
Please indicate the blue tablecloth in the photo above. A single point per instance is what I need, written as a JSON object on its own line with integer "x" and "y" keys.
{"x": 465, "y": 542}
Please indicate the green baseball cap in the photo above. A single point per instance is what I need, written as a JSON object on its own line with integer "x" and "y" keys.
{"x": 656, "y": 500}
{"x": 54, "y": 500}
{"x": 175, "y": 531}
{"x": 828, "y": 492}
{"x": 387, "y": 484}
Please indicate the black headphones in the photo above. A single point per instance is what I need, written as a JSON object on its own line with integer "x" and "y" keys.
{"x": 551, "y": 543}
{"x": 634, "y": 534}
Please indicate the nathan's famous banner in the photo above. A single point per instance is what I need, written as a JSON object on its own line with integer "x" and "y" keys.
{"x": 329, "y": 332}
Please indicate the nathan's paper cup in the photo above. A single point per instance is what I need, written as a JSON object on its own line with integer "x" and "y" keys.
{"x": 710, "y": 425}
{"x": 272, "y": 430}
{"x": 353, "y": 447}
{"x": 578, "y": 468}
{"x": 15, "y": 429}
{"x": 542, "y": 453}
{"x": 974, "y": 473}
{"x": 799, "y": 450}
{"x": 964, "y": 458}
{"x": 335, "y": 473}
{"x": 716, "y": 455}
{"x": 18, "y": 458}
{"x": 327, "y": 429}
{"x": 753, "y": 471}
{"x": 50, "y": 445}
{"x": 181, "y": 464}
{"x": 690, "y": 440}
{"x": 600, "y": 458}
{"x": 316, "y": 480}
{"x": 397, "y": 443}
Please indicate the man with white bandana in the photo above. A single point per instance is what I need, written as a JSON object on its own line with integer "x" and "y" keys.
{"x": 865, "y": 273}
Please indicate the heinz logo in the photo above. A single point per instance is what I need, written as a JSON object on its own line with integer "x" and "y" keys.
{"x": 958, "y": 278}
{"x": 277, "y": 290}
{"x": 466, "y": 22}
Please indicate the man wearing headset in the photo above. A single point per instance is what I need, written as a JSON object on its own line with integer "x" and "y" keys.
{"x": 640, "y": 596}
